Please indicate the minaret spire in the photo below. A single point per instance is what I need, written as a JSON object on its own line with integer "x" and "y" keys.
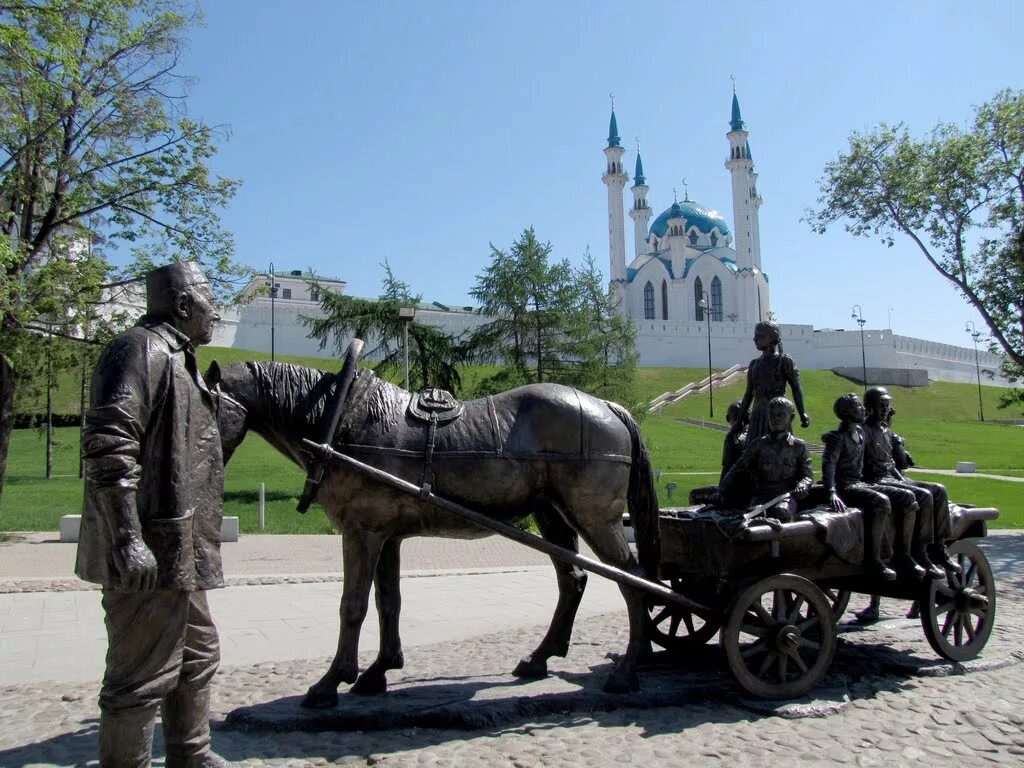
{"x": 641, "y": 211}
{"x": 615, "y": 178}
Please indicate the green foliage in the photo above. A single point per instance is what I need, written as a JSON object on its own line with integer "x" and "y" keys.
{"x": 434, "y": 357}
{"x": 958, "y": 194}
{"x": 550, "y": 322}
{"x": 97, "y": 152}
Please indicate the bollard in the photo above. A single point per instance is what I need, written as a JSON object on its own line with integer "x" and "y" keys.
{"x": 263, "y": 505}
{"x": 670, "y": 487}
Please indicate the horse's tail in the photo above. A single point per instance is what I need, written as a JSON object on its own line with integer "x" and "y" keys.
{"x": 642, "y": 498}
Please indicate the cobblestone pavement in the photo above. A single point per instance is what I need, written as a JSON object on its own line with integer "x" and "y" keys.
{"x": 886, "y": 701}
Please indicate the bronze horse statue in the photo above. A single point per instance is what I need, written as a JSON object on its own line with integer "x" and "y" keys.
{"x": 569, "y": 459}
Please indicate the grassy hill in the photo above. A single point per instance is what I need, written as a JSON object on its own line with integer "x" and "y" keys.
{"x": 939, "y": 423}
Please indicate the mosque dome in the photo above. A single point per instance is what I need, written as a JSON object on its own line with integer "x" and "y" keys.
{"x": 696, "y": 215}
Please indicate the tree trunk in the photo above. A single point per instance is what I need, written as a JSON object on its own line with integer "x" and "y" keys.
{"x": 49, "y": 410}
{"x": 81, "y": 407}
{"x": 6, "y": 415}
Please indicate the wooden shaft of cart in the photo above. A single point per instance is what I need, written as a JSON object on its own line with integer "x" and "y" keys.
{"x": 326, "y": 452}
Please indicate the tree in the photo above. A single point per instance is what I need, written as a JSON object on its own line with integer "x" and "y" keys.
{"x": 97, "y": 151}
{"x": 958, "y": 194}
{"x": 551, "y": 322}
{"x": 434, "y": 357}
{"x": 602, "y": 341}
{"x": 528, "y": 299}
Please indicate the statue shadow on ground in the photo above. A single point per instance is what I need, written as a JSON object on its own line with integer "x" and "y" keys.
{"x": 1005, "y": 553}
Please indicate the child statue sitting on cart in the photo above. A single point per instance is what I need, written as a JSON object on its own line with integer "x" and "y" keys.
{"x": 774, "y": 470}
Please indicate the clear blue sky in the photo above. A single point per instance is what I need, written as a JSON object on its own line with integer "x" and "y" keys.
{"x": 421, "y": 132}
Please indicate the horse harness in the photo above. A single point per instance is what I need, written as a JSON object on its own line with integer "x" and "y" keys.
{"x": 433, "y": 406}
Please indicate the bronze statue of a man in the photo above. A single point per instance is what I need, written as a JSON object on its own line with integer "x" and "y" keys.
{"x": 842, "y": 467}
{"x": 775, "y": 464}
{"x": 932, "y": 528}
{"x": 154, "y": 485}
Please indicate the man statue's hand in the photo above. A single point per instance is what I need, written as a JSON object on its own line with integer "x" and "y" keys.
{"x": 805, "y": 420}
{"x": 135, "y": 565}
{"x": 835, "y": 502}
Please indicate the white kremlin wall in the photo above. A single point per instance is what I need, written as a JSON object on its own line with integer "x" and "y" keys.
{"x": 660, "y": 343}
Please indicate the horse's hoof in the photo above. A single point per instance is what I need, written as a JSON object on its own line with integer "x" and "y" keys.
{"x": 622, "y": 683}
{"x": 531, "y": 670}
{"x": 368, "y": 685}
{"x": 320, "y": 699}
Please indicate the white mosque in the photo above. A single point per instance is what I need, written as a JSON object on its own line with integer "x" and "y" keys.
{"x": 694, "y": 289}
{"x": 689, "y": 262}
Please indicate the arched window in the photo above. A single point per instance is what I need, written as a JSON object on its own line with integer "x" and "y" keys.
{"x": 664, "y": 300}
{"x": 648, "y": 302}
{"x": 693, "y": 238}
{"x": 716, "y": 299}
{"x": 698, "y": 291}
{"x": 714, "y": 239}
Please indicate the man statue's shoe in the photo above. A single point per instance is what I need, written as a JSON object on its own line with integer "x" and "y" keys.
{"x": 907, "y": 568}
{"x": 939, "y": 556}
{"x": 878, "y": 570}
{"x": 915, "y": 610}
{"x": 931, "y": 569}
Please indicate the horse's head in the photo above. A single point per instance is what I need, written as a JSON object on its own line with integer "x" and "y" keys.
{"x": 231, "y": 399}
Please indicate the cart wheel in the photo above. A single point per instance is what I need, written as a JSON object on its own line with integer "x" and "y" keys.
{"x": 958, "y": 612}
{"x": 676, "y": 629}
{"x": 780, "y": 637}
{"x": 839, "y": 600}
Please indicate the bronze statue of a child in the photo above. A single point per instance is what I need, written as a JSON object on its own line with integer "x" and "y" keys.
{"x": 775, "y": 464}
{"x": 842, "y": 466}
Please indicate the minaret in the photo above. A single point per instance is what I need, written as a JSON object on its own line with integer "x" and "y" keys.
{"x": 615, "y": 179}
{"x": 641, "y": 212}
{"x": 745, "y": 200}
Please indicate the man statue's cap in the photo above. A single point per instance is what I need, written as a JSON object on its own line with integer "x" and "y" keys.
{"x": 176, "y": 276}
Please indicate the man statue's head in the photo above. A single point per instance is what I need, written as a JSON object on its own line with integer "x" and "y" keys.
{"x": 877, "y": 401}
{"x": 180, "y": 295}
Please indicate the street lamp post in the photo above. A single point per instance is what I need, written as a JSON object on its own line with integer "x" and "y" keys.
{"x": 273, "y": 296}
{"x": 705, "y": 304}
{"x": 858, "y": 315}
{"x": 406, "y": 315}
{"x": 976, "y": 334}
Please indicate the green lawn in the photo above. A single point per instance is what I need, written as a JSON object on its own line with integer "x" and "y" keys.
{"x": 937, "y": 421}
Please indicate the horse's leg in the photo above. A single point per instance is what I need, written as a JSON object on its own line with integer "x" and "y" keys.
{"x": 360, "y": 551}
{"x": 389, "y": 604}
{"x": 608, "y": 541}
{"x": 571, "y": 583}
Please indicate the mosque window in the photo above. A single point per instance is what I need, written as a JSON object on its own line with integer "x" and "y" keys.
{"x": 664, "y": 300}
{"x": 648, "y": 302}
{"x": 286, "y": 293}
{"x": 698, "y": 295}
{"x": 716, "y": 299}
{"x": 693, "y": 238}
{"x": 714, "y": 239}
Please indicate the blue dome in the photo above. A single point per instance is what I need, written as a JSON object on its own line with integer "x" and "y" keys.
{"x": 696, "y": 215}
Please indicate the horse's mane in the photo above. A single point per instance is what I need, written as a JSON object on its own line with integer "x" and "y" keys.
{"x": 373, "y": 402}
{"x": 291, "y": 395}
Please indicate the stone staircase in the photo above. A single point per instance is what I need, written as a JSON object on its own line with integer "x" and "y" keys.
{"x": 717, "y": 380}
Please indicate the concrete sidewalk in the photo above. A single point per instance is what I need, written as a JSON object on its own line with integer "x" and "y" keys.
{"x": 452, "y": 590}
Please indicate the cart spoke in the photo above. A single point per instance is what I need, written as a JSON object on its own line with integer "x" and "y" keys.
{"x": 673, "y": 627}
{"x": 958, "y": 630}
{"x": 971, "y": 573}
{"x": 945, "y": 591}
{"x": 661, "y": 615}
{"x": 688, "y": 620}
{"x": 783, "y": 663}
{"x": 779, "y": 605}
{"x": 810, "y": 644}
{"x": 981, "y": 611}
{"x": 753, "y": 629}
{"x": 794, "y": 611}
{"x": 769, "y": 659}
{"x": 754, "y": 649}
{"x": 799, "y": 662}
{"x": 761, "y": 613}
{"x": 808, "y": 624}
{"x": 969, "y": 628}
{"x": 944, "y": 608}
{"x": 950, "y": 617}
